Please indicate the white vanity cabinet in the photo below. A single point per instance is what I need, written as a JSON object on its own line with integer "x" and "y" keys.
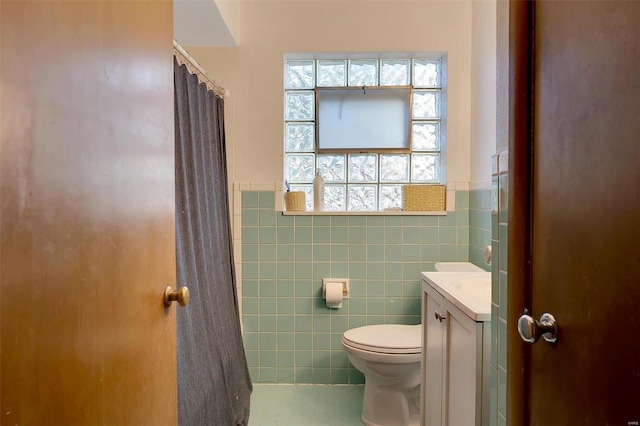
{"x": 455, "y": 364}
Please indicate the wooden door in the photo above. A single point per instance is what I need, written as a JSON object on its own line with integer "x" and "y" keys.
{"x": 583, "y": 208}
{"x": 87, "y": 233}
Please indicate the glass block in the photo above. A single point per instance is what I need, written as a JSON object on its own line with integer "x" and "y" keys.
{"x": 394, "y": 72}
{"x": 390, "y": 197}
{"x": 425, "y": 168}
{"x": 332, "y": 167}
{"x": 363, "y": 73}
{"x": 300, "y": 137}
{"x": 362, "y": 198}
{"x": 426, "y": 72}
{"x": 394, "y": 168}
{"x": 299, "y": 75}
{"x": 308, "y": 195}
{"x": 426, "y": 104}
{"x": 300, "y": 106}
{"x": 425, "y": 136}
{"x": 300, "y": 167}
{"x": 363, "y": 168}
{"x": 332, "y": 73}
{"x": 335, "y": 198}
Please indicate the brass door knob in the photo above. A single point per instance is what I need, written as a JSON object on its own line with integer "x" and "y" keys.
{"x": 181, "y": 296}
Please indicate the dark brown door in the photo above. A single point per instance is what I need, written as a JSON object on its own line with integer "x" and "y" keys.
{"x": 87, "y": 233}
{"x": 585, "y": 214}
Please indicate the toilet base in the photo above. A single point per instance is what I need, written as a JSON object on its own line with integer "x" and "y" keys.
{"x": 415, "y": 421}
{"x": 390, "y": 407}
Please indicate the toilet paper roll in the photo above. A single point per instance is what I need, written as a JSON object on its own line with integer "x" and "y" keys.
{"x": 334, "y": 295}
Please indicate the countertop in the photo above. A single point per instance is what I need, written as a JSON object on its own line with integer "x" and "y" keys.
{"x": 476, "y": 304}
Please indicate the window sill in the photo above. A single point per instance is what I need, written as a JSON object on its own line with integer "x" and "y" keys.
{"x": 363, "y": 213}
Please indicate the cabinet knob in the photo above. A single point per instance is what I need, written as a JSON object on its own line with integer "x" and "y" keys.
{"x": 439, "y": 316}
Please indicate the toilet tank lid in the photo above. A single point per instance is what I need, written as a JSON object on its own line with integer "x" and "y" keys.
{"x": 386, "y": 336}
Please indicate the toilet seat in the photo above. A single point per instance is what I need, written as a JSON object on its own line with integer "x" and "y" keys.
{"x": 385, "y": 338}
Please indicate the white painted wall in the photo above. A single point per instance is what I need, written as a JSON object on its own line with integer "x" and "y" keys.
{"x": 266, "y": 30}
{"x": 502, "y": 72}
{"x": 483, "y": 91}
{"x": 200, "y": 23}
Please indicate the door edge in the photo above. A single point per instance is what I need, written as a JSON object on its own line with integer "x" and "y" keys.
{"x": 519, "y": 204}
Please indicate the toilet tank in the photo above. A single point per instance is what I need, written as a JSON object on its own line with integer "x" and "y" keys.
{"x": 457, "y": 267}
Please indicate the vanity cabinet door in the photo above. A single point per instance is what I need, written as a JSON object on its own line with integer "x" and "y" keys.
{"x": 433, "y": 343}
{"x": 462, "y": 368}
{"x": 455, "y": 359}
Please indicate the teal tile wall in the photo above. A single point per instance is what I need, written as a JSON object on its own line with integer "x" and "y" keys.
{"x": 290, "y": 335}
{"x": 479, "y": 226}
{"x": 499, "y": 278}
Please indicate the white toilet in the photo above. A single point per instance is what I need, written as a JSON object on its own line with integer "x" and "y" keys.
{"x": 389, "y": 357}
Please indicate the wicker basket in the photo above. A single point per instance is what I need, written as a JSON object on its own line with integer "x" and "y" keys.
{"x": 295, "y": 201}
{"x": 424, "y": 198}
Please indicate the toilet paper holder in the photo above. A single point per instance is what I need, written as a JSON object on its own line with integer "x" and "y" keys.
{"x": 343, "y": 281}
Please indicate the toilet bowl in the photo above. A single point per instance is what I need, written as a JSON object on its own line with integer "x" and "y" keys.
{"x": 389, "y": 356}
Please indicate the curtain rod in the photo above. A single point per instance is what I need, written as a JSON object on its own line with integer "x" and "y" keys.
{"x": 209, "y": 81}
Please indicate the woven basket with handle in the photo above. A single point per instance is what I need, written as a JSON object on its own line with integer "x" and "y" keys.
{"x": 295, "y": 201}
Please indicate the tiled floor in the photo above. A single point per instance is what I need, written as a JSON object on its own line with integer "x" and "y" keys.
{"x": 305, "y": 405}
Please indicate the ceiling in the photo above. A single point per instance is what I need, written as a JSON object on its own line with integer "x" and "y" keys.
{"x": 198, "y": 23}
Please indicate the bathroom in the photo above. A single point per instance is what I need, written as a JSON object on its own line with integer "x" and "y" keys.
{"x": 88, "y": 231}
{"x": 290, "y": 336}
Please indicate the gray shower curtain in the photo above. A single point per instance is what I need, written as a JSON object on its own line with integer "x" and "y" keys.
{"x": 214, "y": 386}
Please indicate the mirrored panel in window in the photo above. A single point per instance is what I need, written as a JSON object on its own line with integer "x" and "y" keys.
{"x": 362, "y": 119}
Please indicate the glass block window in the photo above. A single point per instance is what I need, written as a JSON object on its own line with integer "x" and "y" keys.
{"x": 332, "y": 73}
{"x": 394, "y": 73}
{"x": 371, "y": 179}
{"x": 363, "y": 73}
